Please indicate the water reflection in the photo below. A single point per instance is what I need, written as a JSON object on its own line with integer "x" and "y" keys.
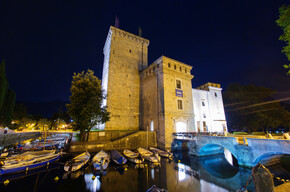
{"x": 92, "y": 184}
{"x": 206, "y": 186}
{"x": 188, "y": 174}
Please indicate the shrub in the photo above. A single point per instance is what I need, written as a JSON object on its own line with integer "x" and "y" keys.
{"x": 258, "y": 133}
{"x": 240, "y": 133}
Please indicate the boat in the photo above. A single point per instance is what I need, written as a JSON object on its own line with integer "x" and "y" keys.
{"x": 154, "y": 188}
{"x": 77, "y": 162}
{"x": 28, "y": 160}
{"x": 132, "y": 156}
{"x": 148, "y": 155}
{"x": 118, "y": 158}
{"x": 161, "y": 152}
{"x": 23, "y": 174}
{"x": 101, "y": 161}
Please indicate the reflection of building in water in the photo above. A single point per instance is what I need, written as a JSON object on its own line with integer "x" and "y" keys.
{"x": 115, "y": 181}
{"x": 206, "y": 186}
{"x": 180, "y": 177}
{"x": 158, "y": 97}
{"x": 92, "y": 185}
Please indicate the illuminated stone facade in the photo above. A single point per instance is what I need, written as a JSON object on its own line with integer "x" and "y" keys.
{"x": 158, "y": 97}
{"x": 125, "y": 55}
{"x": 165, "y": 105}
{"x": 208, "y": 108}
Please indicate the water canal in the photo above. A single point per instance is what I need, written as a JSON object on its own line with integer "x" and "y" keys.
{"x": 183, "y": 173}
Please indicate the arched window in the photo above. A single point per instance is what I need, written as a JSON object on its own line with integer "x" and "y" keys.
{"x": 180, "y": 127}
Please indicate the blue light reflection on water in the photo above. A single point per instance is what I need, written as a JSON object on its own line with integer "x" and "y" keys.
{"x": 191, "y": 174}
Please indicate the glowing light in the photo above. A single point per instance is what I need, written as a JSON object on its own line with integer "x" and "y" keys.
{"x": 181, "y": 171}
{"x": 180, "y": 127}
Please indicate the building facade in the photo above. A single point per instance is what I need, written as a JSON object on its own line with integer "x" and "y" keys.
{"x": 209, "y": 109}
{"x": 158, "y": 97}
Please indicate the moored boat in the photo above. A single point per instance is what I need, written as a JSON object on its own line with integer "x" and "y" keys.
{"x": 77, "y": 162}
{"x": 132, "y": 156}
{"x": 118, "y": 158}
{"x": 148, "y": 155}
{"x": 162, "y": 153}
{"x": 101, "y": 161}
{"x": 28, "y": 160}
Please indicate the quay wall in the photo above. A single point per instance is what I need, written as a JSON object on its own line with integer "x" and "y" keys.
{"x": 11, "y": 138}
{"x": 108, "y": 135}
{"x": 132, "y": 141}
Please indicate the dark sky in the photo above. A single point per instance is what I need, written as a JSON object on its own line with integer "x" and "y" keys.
{"x": 45, "y": 42}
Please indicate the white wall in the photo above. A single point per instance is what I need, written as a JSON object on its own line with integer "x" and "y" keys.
{"x": 212, "y": 113}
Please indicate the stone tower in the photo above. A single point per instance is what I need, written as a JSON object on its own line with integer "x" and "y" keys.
{"x": 167, "y": 99}
{"x": 125, "y": 56}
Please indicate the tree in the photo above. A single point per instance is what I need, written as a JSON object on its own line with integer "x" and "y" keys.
{"x": 85, "y": 106}
{"x": 61, "y": 115}
{"x": 19, "y": 111}
{"x": 7, "y": 98}
{"x": 44, "y": 124}
{"x": 26, "y": 123}
{"x": 284, "y": 23}
{"x": 252, "y": 108}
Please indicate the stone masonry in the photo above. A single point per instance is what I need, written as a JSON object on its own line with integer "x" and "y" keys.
{"x": 125, "y": 55}
{"x": 160, "y": 101}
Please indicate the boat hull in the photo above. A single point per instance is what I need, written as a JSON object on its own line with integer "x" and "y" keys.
{"x": 101, "y": 161}
{"x": 118, "y": 158}
{"x": 28, "y": 167}
{"x": 82, "y": 158}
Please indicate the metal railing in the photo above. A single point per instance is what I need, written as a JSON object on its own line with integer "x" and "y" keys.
{"x": 191, "y": 135}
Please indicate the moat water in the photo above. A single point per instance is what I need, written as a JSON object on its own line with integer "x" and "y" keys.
{"x": 184, "y": 173}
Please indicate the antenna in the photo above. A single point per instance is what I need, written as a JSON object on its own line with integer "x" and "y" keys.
{"x": 116, "y": 22}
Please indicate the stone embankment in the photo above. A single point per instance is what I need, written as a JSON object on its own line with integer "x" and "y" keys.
{"x": 11, "y": 138}
{"x": 131, "y": 140}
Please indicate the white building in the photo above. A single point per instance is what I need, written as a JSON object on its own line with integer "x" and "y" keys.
{"x": 208, "y": 108}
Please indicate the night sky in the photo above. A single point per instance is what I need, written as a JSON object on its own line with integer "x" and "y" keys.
{"x": 45, "y": 42}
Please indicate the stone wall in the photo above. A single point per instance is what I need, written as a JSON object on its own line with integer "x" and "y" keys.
{"x": 159, "y": 98}
{"x": 174, "y": 70}
{"x": 133, "y": 141}
{"x": 127, "y": 57}
{"x": 12, "y": 138}
{"x": 108, "y": 135}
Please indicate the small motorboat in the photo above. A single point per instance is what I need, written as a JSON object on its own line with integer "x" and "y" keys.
{"x": 118, "y": 158}
{"x": 101, "y": 161}
{"x": 28, "y": 160}
{"x": 132, "y": 156}
{"x": 148, "y": 155}
{"x": 162, "y": 153}
{"x": 77, "y": 162}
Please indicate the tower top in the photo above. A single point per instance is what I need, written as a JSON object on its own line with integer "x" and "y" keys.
{"x": 123, "y": 33}
{"x": 210, "y": 85}
{"x": 120, "y": 32}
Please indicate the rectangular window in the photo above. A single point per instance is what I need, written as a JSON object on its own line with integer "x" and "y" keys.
{"x": 178, "y": 84}
{"x": 179, "y": 104}
{"x": 198, "y": 126}
{"x": 204, "y": 126}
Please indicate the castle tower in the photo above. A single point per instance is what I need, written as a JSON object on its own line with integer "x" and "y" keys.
{"x": 125, "y": 55}
{"x": 167, "y": 99}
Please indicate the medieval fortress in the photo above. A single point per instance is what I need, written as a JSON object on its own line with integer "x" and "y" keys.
{"x": 158, "y": 97}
